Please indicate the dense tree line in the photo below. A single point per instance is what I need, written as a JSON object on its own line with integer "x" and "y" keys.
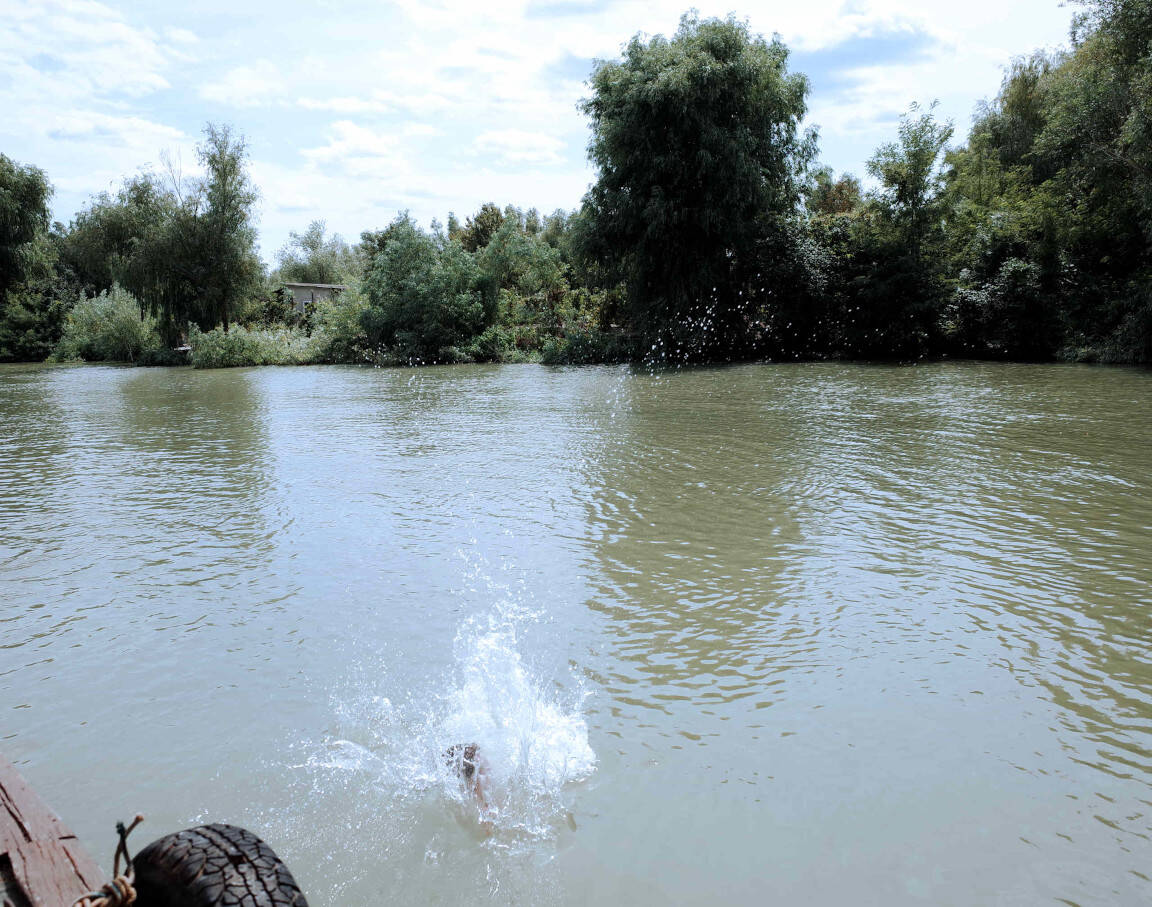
{"x": 711, "y": 233}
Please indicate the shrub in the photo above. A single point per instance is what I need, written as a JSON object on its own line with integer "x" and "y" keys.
{"x": 107, "y": 328}
{"x": 427, "y": 298}
{"x": 163, "y": 356}
{"x": 242, "y": 347}
{"x": 31, "y": 323}
{"x": 269, "y": 309}
{"x": 338, "y": 334}
{"x": 494, "y": 345}
{"x": 586, "y": 348}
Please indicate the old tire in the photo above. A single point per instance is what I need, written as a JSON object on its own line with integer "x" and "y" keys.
{"x": 213, "y": 866}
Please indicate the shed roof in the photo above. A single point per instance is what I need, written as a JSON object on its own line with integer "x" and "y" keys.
{"x": 317, "y": 286}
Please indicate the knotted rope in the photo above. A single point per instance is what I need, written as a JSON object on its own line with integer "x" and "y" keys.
{"x": 119, "y": 892}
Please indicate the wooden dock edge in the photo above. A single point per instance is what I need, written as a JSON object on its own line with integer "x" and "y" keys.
{"x": 41, "y": 862}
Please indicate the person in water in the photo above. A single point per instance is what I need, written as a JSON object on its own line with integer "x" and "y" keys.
{"x": 470, "y": 766}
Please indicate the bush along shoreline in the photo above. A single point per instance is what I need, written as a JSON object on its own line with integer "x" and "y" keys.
{"x": 712, "y": 233}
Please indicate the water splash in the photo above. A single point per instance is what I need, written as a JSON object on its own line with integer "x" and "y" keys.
{"x": 534, "y": 744}
{"x": 532, "y": 735}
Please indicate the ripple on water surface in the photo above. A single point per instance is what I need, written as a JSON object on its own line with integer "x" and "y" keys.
{"x": 885, "y": 625}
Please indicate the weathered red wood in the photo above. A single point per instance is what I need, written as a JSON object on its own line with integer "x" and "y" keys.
{"x": 41, "y": 862}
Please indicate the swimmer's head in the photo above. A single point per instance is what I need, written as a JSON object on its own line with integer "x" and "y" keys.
{"x": 461, "y": 758}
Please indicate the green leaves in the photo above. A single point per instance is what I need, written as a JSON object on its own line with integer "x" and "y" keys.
{"x": 24, "y": 195}
{"x": 425, "y": 296}
{"x": 314, "y": 257}
{"x": 696, "y": 140}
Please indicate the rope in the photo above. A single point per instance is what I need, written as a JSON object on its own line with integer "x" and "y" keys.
{"x": 119, "y": 892}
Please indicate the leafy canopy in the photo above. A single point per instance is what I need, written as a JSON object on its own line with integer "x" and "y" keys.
{"x": 24, "y": 195}
{"x": 696, "y": 141}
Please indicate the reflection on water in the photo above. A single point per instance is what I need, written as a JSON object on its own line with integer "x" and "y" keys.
{"x": 784, "y": 633}
{"x": 892, "y": 592}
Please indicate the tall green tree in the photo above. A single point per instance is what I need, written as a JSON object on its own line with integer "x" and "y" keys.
{"x": 227, "y": 234}
{"x": 24, "y": 195}
{"x": 426, "y": 297}
{"x": 32, "y": 301}
{"x": 481, "y": 227}
{"x": 697, "y": 143}
{"x": 104, "y": 239}
{"x": 201, "y": 263}
{"x": 911, "y": 179}
{"x": 894, "y": 289}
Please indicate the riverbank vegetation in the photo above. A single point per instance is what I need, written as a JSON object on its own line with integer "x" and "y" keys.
{"x": 711, "y": 233}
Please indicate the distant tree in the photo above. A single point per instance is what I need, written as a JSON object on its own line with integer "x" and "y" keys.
{"x": 697, "y": 144}
{"x": 33, "y": 311}
{"x": 909, "y": 171}
{"x": 104, "y": 239}
{"x": 34, "y": 299}
{"x": 227, "y": 232}
{"x": 202, "y": 263}
{"x": 314, "y": 257}
{"x": 1049, "y": 221}
{"x": 478, "y": 230}
{"x": 425, "y": 298}
{"x": 555, "y": 229}
{"x": 828, "y": 197}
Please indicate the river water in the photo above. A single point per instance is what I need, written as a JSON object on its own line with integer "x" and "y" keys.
{"x": 797, "y": 634}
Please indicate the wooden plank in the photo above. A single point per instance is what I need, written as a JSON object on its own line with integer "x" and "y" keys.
{"x": 41, "y": 862}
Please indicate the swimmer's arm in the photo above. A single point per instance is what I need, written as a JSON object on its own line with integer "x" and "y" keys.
{"x": 481, "y": 796}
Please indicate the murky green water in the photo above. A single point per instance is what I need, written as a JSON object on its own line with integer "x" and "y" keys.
{"x": 811, "y": 634}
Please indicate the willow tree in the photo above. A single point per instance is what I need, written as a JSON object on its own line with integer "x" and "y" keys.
{"x": 698, "y": 147}
{"x": 201, "y": 263}
{"x": 24, "y": 195}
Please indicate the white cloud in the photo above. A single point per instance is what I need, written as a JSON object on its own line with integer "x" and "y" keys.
{"x": 346, "y": 105}
{"x": 350, "y": 140}
{"x": 180, "y": 36}
{"x": 438, "y": 104}
{"x": 251, "y": 85}
{"x": 513, "y": 146}
{"x": 75, "y": 50}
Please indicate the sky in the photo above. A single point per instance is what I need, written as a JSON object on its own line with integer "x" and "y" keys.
{"x": 354, "y": 111}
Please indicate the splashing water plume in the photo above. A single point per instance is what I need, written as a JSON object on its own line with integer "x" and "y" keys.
{"x": 533, "y": 745}
{"x": 533, "y": 741}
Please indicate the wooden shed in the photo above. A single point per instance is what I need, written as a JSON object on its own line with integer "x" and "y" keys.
{"x": 304, "y": 294}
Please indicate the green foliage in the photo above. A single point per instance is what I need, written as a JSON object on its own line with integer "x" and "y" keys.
{"x": 242, "y": 347}
{"x": 697, "y": 141}
{"x": 427, "y": 298}
{"x": 588, "y": 347}
{"x": 31, "y": 322}
{"x": 1051, "y": 201}
{"x": 200, "y": 263}
{"x": 313, "y": 257}
{"x": 479, "y": 230}
{"x": 32, "y": 312}
{"x": 911, "y": 180}
{"x": 826, "y": 197}
{"x": 516, "y": 260}
{"x": 495, "y": 344}
{"x": 107, "y": 328}
{"x": 707, "y": 234}
{"x": 337, "y": 336}
{"x": 890, "y": 288}
{"x": 338, "y": 333}
{"x": 269, "y": 309}
{"x": 103, "y": 243}
{"x": 24, "y": 195}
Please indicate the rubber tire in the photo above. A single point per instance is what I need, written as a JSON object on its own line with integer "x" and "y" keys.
{"x": 213, "y": 866}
